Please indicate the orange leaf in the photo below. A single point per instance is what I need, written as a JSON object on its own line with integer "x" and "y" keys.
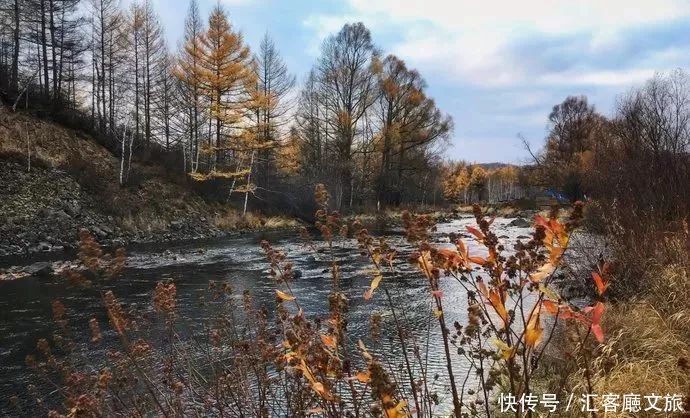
{"x": 497, "y": 303}
{"x": 550, "y": 306}
{"x": 398, "y": 411}
{"x": 284, "y": 296}
{"x": 462, "y": 249}
{"x": 482, "y": 288}
{"x": 425, "y": 264}
{"x": 374, "y": 284}
{"x": 477, "y": 233}
{"x": 451, "y": 259}
{"x": 363, "y": 377}
{"x": 534, "y": 331}
{"x": 477, "y": 260}
{"x": 543, "y": 272}
{"x": 601, "y": 284}
{"x": 328, "y": 341}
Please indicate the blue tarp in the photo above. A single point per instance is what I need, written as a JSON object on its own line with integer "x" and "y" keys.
{"x": 560, "y": 197}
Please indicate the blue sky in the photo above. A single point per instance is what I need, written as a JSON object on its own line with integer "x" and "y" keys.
{"x": 496, "y": 66}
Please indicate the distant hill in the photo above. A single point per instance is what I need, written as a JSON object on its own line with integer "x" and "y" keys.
{"x": 494, "y": 166}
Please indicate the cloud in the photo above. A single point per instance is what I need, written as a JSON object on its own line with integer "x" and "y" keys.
{"x": 599, "y": 78}
{"x": 324, "y": 25}
{"x": 496, "y": 43}
{"x": 498, "y": 67}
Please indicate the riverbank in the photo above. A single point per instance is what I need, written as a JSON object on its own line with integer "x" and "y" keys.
{"x": 67, "y": 181}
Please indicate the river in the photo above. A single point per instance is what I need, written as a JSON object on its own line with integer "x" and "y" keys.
{"x": 25, "y": 304}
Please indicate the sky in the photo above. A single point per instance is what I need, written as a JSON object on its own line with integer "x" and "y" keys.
{"x": 497, "y": 67}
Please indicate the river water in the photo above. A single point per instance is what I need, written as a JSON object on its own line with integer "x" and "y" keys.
{"x": 25, "y": 304}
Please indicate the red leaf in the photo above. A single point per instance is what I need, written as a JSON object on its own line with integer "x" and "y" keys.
{"x": 597, "y": 312}
{"x": 550, "y": 307}
{"x": 540, "y": 220}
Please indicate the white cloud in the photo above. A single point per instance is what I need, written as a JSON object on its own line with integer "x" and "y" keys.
{"x": 324, "y": 25}
{"x": 599, "y": 78}
{"x": 470, "y": 41}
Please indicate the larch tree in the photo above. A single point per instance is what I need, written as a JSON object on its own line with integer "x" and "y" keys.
{"x": 153, "y": 50}
{"x": 136, "y": 22}
{"x": 10, "y": 43}
{"x": 226, "y": 76}
{"x": 410, "y": 122}
{"x": 274, "y": 85}
{"x": 166, "y": 106}
{"x": 310, "y": 130}
{"x": 107, "y": 28}
{"x": 188, "y": 71}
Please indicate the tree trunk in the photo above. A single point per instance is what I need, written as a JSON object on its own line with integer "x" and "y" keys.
{"x": 44, "y": 42}
{"x": 14, "y": 77}
{"x": 53, "y": 43}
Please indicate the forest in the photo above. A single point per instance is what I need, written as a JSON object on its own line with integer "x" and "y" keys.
{"x": 221, "y": 111}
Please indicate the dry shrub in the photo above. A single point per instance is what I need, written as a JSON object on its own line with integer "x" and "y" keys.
{"x": 228, "y": 220}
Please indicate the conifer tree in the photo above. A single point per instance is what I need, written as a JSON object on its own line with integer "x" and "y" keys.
{"x": 188, "y": 72}
{"x": 226, "y": 76}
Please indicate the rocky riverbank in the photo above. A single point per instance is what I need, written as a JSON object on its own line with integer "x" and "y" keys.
{"x": 42, "y": 210}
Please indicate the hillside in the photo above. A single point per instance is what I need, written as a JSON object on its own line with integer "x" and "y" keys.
{"x": 72, "y": 183}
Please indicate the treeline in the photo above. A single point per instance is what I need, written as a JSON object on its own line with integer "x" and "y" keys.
{"x": 470, "y": 183}
{"x": 635, "y": 163}
{"x": 224, "y": 114}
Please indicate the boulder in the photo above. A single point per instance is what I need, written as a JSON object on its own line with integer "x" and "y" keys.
{"x": 40, "y": 269}
{"x": 520, "y": 223}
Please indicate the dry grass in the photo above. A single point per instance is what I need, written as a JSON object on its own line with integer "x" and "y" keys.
{"x": 143, "y": 222}
{"x": 50, "y": 143}
{"x": 232, "y": 220}
{"x": 648, "y": 350}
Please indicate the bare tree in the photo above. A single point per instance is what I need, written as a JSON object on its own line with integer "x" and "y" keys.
{"x": 275, "y": 84}
{"x": 347, "y": 90}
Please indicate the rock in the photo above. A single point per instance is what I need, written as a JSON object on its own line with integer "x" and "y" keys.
{"x": 297, "y": 274}
{"x": 523, "y": 237}
{"x": 43, "y": 246}
{"x": 520, "y": 223}
{"x": 72, "y": 208}
{"x": 176, "y": 225}
{"x": 40, "y": 269}
{"x": 61, "y": 215}
{"x": 100, "y": 233}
